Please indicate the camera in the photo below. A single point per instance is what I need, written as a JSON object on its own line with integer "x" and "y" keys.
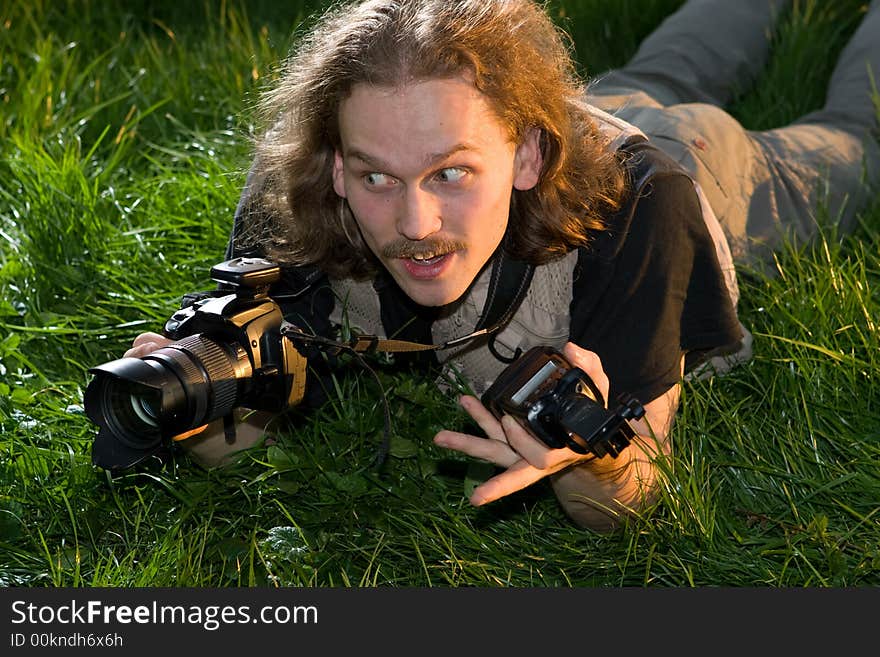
{"x": 229, "y": 351}
{"x": 561, "y": 405}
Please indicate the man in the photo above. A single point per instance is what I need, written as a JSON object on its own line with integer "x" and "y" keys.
{"x": 419, "y": 151}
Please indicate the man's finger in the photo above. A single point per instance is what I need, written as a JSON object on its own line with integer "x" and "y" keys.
{"x": 494, "y": 451}
{"x": 518, "y": 476}
{"x": 146, "y": 343}
{"x": 590, "y": 363}
{"x": 533, "y": 449}
{"x": 483, "y": 417}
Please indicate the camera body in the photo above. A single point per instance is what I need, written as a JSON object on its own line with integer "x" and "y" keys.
{"x": 561, "y": 405}
{"x": 229, "y": 351}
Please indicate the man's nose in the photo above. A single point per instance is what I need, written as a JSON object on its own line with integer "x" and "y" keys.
{"x": 420, "y": 215}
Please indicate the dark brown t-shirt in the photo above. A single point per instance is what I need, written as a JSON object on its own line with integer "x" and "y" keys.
{"x": 649, "y": 289}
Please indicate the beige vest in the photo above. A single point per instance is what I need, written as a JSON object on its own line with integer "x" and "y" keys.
{"x": 542, "y": 318}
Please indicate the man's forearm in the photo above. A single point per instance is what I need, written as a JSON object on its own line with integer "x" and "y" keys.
{"x": 599, "y": 494}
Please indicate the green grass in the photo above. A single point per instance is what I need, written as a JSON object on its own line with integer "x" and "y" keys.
{"x": 124, "y": 137}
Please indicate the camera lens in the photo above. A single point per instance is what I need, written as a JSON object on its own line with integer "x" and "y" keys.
{"x": 129, "y": 410}
{"x": 140, "y": 401}
{"x": 210, "y": 372}
{"x": 145, "y": 409}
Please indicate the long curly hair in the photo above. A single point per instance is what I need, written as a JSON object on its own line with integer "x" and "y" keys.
{"x": 515, "y": 55}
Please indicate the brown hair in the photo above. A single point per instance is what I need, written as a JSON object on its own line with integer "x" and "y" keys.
{"x": 515, "y": 55}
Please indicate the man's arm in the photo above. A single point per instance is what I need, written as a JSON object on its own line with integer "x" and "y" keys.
{"x": 600, "y": 493}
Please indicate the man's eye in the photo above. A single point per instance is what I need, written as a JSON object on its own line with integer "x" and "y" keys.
{"x": 451, "y": 174}
{"x": 378, "y": 180}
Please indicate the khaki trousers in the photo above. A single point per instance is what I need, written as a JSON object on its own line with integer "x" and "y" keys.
{"x": 764, "y": 186}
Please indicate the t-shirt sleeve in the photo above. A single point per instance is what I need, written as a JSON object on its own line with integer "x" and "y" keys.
{"x": 649, "y": 289}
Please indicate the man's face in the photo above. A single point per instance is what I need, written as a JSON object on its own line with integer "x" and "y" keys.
{"x": 428, "y": 171}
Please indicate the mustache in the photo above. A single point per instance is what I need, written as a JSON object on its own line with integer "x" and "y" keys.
{"x": 428, "y": 247}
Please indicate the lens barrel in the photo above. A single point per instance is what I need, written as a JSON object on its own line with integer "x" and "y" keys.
{"x": 138, "y": 402}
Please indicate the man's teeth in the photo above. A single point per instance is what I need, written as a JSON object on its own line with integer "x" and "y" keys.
{"x": 426, "y": 258}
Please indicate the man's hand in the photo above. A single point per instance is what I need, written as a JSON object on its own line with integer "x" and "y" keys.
{"x": 592, "y": 490}
{"x": 510, "y": 445}
{"x": 146, "y": 343}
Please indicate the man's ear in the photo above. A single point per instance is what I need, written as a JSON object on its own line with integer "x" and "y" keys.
{"x": 528, "y": 161}
{"x": 338, "y": 179}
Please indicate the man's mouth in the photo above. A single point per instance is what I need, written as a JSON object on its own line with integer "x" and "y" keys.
{"x": 427, "y": 259}
{"x": 423, "y": 260}
{"x": 427, "y": 266}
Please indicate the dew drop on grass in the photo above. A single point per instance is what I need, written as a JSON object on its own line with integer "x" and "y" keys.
{"x": 286, "y": 543}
